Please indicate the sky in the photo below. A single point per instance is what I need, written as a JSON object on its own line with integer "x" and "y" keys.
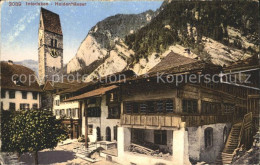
{"x": 19, "y": 25}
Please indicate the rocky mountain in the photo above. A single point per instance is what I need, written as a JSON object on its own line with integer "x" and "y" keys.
{"x": 104, "y": 42}
{"x": 220, "y": 32}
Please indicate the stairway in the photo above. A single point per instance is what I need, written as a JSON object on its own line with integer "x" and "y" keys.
{"x": 226, "y": 156}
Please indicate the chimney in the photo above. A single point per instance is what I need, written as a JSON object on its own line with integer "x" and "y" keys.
{"x": 10, "y": 62}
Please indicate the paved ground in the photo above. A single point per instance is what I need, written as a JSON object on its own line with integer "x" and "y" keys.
{"x": 62, "y": 155}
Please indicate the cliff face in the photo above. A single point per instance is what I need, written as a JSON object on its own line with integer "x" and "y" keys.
{"x": 105, "y": 41}
{"x": 220, "y": 32}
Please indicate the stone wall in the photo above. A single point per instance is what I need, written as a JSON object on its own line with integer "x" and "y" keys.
{"x": 197, "y": 150}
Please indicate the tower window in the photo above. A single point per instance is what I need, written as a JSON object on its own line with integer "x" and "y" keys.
{"x": 52, "y": 42}
{"x": 55, "y": 43}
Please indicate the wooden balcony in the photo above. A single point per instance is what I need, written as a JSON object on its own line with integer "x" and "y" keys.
{"x": 198, "y": 120}
{"x": 173, "y": 120}
{"x": 156, "y": 120}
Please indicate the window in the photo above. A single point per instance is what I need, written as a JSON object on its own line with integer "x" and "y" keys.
{"x": 69, "y": 112}
{"x": 128, "y": 108}
{"x": 73, "y": 112}
{"x": 229, "y": 108}
{"x": 135, "y": 107}
{"x": 225, "y": 134}
{"x": 35, "y": 106}
{"x": 2, "y": 93}
{"x": 113, "y": 97}
{"x": 160, "y": 106}
{"x": 24, "y": 95}
{"x": 57, "y": 102}
{"x": 150, "y": 106}
{"x": 24, "y": 106}
{"x": 12, "y": 106}
{"x": 114, "y": 112}
{"x": 154, "y": 106}
{"x": 210, "y": 107}
{"x": 57, "y": 112}
{"x": 189, "y": 106}
{"x": 169, "y": 106}
{"x": 62, "y": 112}
{"x": 35, "y": 95}
{"x": 143, "y": 107}
{"x": 52, "y": 42}
{"x": 55, "y": 43}
{"x": 208, "y": 136}
{"x": 93, "y": 111}
{"x": 160, "y": 137}
{"x": 11, "y": 94}
{"x": 90, "y": 129}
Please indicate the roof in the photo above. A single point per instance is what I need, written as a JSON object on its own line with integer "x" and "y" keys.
{"x": 75, "y": 88}
{"x": 9, "y": 69}
{"x": 64, "y": 85}
{"x": 96, "y": 92}
{"x": 249, "y": 63}
{"x": 170, "y": 61}
{"x": 51, "y": 21}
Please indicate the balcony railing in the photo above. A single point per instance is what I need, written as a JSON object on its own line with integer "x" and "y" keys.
{"x": 151, "y": 120}
{"x": 173, "y": 120}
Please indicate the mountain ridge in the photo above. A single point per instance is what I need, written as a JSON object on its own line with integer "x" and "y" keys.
{"x": 192, "y": 29}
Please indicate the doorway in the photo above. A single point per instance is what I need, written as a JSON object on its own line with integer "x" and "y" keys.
{"x": 98, "y": 134}
{"x": 108, "y": 134}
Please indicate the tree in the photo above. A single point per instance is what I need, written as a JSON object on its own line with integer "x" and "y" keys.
{"x": 31, "y": 131}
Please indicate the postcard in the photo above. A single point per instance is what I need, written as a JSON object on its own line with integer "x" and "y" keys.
{"x": 150, "y": 82}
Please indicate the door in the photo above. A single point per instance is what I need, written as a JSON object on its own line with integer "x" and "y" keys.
{"x": 98, "y": 134}
{"x": 108, "y": 134}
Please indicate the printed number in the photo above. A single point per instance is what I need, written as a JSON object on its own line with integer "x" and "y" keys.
{"x": 15, "y": 3}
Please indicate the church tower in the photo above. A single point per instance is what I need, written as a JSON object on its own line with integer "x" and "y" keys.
{"x": 50, "y": 46}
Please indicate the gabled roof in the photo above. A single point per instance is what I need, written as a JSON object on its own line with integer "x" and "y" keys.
{"x": 51, "y": 21}
{"x": 172, "y": 60}
{"x": 97, "y": 92}
{"x": 64, "y": 85}
{"x": 9, "y": 69}
{"x": 76, "y": 87}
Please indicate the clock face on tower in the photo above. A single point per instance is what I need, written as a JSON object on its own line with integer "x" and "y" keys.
{"x": 54, "y": 53}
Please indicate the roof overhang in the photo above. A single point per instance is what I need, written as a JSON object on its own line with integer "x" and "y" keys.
{"x": 94, "y": 93}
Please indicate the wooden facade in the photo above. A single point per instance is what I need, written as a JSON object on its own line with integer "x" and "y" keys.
{"x": 218, "y": 103}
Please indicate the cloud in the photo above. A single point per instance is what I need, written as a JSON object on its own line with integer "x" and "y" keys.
{"x": 22, "y": 24}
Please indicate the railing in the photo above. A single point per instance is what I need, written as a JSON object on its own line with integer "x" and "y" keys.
{"x": 247, "y": 122}
{"x": 198, "y": 120}
{"x": 173, "y": 120}
{"x": 151, "y": 120}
